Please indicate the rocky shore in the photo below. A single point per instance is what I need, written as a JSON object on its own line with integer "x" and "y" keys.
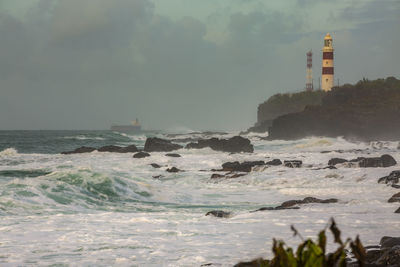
{"x": 385, "y": 254}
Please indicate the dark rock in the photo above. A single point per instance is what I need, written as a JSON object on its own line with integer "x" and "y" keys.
{"x": 291, "y": 204}
{"x": 308, "y": 200}
{"x": 154, "y": 144}
{"x": 184, "y": 140}
{"x": 388, "y": 241}
{"x": 219, "y": 213}
{"x": 327, "y": 167}
{"x": 173, "y": 169}
{"x": 155, "y": 165}
{"x": 129, "y": 149}
{"x": 276, "y": 208}
{"x": 372, "y": 255}
{"x": 109, "y": 149}
{"x": 395, "y": 198}
{"x": 254, "y": 263}
{"x": 334, "y": 161}
{"x": 293, "y": 163}
{"x": 173, "y": 155}
{"x": 158, "y": 176}
{"x": 241, "y": 167}
{"x": 141, "y": 155}
{"x": 236, "y": 175}
{"x": 383, "y": 161}
{"x": 118, "y": 149}
{"x": 390, "y": 257}
{"x": 83, "y": 149}
{"x": 216, "y": 175}
{"x": 397, "y": 211}
{"x": 274, "y": 162}
{"x": 235, "y": 144}
{"x": 392, "y": 179}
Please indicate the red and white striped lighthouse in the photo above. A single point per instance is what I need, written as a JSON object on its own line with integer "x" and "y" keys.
{"x": 327, "y": 64}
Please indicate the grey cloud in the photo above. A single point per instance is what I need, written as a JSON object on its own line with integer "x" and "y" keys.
{"x": 87, "y": 64}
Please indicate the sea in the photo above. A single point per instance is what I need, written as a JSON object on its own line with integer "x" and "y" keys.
{"x": 107, "y": 209}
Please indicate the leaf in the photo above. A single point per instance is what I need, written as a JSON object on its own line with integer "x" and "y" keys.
{"x": 358, "y": 251}
{"x": 322, "y": 241}
{"x": 336, "y": 232}
{"x": 294, "y": 230}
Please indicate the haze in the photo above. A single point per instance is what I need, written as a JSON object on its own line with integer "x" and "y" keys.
{"x": 178, "y": 64}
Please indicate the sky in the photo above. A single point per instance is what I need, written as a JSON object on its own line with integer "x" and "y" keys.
{"x": 178, "y": 64}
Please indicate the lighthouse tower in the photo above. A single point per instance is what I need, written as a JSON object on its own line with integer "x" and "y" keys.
{"x": 327, "y": 64}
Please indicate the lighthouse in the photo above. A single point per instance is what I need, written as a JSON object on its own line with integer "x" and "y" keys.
{"x": 327, "y": 64}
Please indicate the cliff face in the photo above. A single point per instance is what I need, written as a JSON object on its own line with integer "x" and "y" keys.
{"x": 281, "y": 104}
{"x": 368, "y": 110}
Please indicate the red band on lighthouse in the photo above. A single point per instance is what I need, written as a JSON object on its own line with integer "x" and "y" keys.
{"x": 327, "y": 70}
{"x": 327, "y": 55}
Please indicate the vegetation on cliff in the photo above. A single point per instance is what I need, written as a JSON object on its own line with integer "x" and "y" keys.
{"x": 368, "y": 110}
{"x": 281, "y": 104}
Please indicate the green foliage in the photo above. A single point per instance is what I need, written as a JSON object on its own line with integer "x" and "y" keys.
{"x": 281, "y": 104}
{"x": 312, "y": 254}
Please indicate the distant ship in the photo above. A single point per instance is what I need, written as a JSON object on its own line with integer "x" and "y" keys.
{"x": 135, "y": 127}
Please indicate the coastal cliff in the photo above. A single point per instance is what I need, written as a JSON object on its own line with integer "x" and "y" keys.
{"x": 280, "y": 104}
{"x": 368, "y": 110}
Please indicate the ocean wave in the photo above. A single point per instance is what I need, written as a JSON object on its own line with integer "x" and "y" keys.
{"x": 24, "y": 173}
{"x": 8, "y": 152}
{"x": 82, "y": 137}
{"x": 133, "y": 137}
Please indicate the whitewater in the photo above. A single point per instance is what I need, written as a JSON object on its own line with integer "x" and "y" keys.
{"x": 107, "y": 209}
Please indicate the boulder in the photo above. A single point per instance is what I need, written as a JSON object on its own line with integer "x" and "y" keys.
{"x": 292, "y": 204}
{"x": 390, "y": 257}
{"x": 254, "y": 263}
{"x": 155, "y": 165}
{"x": 371, "y": 255}
{"x": 129, "y": 149}
{"x": 173, "y": 169}
{"x": 276, "y": 208}
{"x": 293, "y": 163}
{"x": 141, "y": 155}
{"x": 382, "y": 161}
{"x": 154, "y": 144}
{"x": 216, "y": 175}
{"x": 397, "y": 211}
{"x": 109, "y": 148}
{"x": 363, "y": 162}
{"x": 235, "y": 144}
{"x": 219, "y": 213}
{"x": 241, "y": 167}
{"x": 395, "y": 198}
{"x": 274, "y": 162}
{"x": 235, "y": 175}
{"x": 158, "y": 176}
{"x": 82, "y": 149}
{"x": 334, "y": 161}
{"x": 308, "y": 200}
{"x": 173, "y": 155}
{"x": 388, "y": 241}
{"x": 392, "y": 179}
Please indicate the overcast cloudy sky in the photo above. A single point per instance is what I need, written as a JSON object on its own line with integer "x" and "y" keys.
{"x": 200, "y": 64}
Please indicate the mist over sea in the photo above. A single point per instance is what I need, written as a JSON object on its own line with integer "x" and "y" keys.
{"x": 106, "y": 209}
